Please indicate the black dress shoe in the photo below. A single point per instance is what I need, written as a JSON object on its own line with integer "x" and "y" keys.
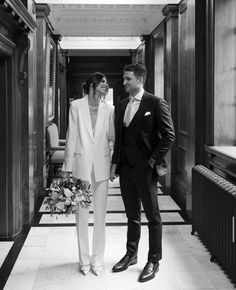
{"x": 149, "y": 272}
{"x": 124, "y": 263}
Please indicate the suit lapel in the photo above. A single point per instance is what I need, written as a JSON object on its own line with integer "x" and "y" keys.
{"x": 141, "y": 110}
{"x": 84, "y": 111}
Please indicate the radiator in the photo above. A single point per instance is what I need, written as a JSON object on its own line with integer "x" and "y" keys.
{"x": 214, "y": 216}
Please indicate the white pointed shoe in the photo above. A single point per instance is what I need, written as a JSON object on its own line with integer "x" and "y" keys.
{"x": 96, "y": 270}
{"x": 84, "y": 269}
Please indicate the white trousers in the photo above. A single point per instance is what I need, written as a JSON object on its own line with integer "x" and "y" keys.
{"x": 99, "y": 201}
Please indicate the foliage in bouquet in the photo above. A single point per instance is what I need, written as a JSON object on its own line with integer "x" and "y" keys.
{"x": 66, "y": 195}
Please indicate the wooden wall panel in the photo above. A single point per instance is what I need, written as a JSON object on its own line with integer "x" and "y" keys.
{"x": 170, "y": 30}
{"x": 225, "y": 73}
{"x": 4, "y": 205}
{"x": 43, "y": 39}
{"x": 159, "y": 65}
{"x": 203, "y": 72}
{"x": 149, "y": 63}
{"x": 145, "y": 56}
{"x": 62, "y": 90}
{"x": 30, "y": 187}
{"x": 140, "y": 58}
{"x": 185, "y": 130}
{"x": 14, "y": 45}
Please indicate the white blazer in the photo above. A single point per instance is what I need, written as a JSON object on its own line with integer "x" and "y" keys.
{"x": 83, "y": 150}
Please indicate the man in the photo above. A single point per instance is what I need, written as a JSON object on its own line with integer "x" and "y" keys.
{"x": 144, "y": 134}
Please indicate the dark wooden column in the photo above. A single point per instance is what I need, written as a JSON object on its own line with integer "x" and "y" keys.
{"x": 24, "y": 108}
{"x": 171, "y": 74}
{"x": 42, "y": 11}
{"x": 14, "y": 148}
{"x": 207, "y": 63}
{"x": 133, "y": 54}
{"x": 202, "y": 71}
{"x": 148, "y": 61}
{"x": 57, "y": 39}
{"x": 62, "y": 126}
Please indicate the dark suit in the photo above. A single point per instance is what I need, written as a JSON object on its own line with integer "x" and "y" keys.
{"x": 149, "y": 135}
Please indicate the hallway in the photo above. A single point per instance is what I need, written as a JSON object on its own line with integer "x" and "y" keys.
{"x": 48, "y": 254}
{"x": 47, "y": 51}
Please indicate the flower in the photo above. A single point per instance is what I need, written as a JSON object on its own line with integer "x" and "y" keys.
{"x": 66, "y": 195}
{"x": 67, "y": 192}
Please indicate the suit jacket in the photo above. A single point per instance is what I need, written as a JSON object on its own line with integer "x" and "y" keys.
{"x": 154, "y": 129}
{"x": 83, "y": 150}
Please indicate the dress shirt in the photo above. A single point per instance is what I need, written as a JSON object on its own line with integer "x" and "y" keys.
{"x": 132, "y": 107}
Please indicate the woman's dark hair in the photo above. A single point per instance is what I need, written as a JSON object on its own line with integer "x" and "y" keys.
{"x": 94, "y": 80}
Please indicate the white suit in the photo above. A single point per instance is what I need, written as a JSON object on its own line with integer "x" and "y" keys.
{"x": 87, "y": 156}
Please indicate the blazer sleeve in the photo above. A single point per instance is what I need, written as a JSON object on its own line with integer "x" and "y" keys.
{"x": 111, "y": 131}
{"x": 165, "y": 129}
{"x": 115, "y": 155}
{"x": 70, "y": 139}
{"x": 111, "y": 136}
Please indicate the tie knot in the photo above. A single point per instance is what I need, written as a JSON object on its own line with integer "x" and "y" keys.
{"x": 132, "y": 99}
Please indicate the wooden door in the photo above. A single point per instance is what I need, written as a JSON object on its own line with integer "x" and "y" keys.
{"x": 186, "y": 105}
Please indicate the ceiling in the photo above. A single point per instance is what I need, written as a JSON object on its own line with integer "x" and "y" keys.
{"x": 104, "y": 20}
{"x": 77, "y": 19}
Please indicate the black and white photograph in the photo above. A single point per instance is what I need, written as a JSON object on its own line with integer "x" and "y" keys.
{"x": 118, "y": 144}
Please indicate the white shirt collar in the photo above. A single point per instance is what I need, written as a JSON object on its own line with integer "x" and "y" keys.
{"x": 139, "y": 95}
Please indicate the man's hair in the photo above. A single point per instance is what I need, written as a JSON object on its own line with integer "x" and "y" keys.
{"x": 138, "y": 69}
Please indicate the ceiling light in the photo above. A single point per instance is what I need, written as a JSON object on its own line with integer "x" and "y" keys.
{"x": 111, "y": 2}
{"x": 100, "y": 42}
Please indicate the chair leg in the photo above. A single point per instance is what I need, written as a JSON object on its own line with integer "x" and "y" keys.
{"x": 56, "y": 170}
{"x": 53, "y": 172}
{"x": 50, "y": 172}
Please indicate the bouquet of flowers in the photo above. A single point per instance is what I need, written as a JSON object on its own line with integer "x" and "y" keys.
{"x": 66, "y": 195}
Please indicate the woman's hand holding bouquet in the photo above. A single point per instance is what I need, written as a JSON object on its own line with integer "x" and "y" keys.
{"x": 66, "y": 195}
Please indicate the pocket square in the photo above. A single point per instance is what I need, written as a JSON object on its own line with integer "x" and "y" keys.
{"x": 147, "y": 113}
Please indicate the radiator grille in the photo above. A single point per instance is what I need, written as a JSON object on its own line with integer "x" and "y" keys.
{"x": 213, "y": 216}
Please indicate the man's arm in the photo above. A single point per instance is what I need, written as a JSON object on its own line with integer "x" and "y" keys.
{"x": 166, "y": 129}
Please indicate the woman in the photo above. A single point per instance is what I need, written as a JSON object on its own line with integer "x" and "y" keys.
{"x": 87, "y": 156}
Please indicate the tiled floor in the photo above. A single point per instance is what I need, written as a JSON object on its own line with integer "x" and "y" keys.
{"x": 49, "y": 257}
{"x": 4, "y": 249}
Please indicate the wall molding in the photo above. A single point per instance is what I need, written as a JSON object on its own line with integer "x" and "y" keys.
{"x": 19, "y": 14}
{"x": 6, "y": 46}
